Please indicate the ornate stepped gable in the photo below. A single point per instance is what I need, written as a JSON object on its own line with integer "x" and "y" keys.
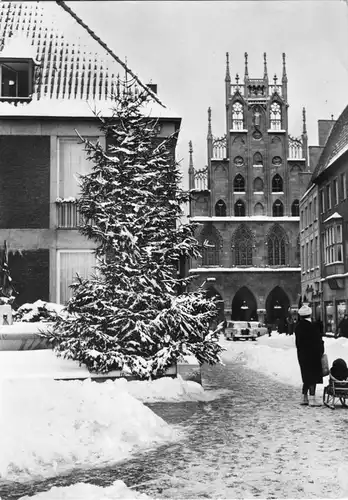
{"x": 69, "y": 63}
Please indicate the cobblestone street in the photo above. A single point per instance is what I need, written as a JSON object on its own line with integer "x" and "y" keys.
{"x": 255, "y": 441}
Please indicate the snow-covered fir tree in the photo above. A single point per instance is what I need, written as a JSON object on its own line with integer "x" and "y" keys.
{"x": 129, "y": 314}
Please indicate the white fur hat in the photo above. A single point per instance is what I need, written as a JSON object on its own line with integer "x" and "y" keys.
{"x": 305, "y": 310}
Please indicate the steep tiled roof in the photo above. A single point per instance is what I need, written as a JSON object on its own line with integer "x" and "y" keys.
{"x": 73, "y": 68}
{"x": 336, "y": 144}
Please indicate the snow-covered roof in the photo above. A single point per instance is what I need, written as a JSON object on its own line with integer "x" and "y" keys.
{"x": 336, "y": 215}
{"x": 75, "y": 72}
{"x": 336, "y": 145}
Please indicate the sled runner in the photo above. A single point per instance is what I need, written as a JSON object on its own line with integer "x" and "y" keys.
{"x": 337, "y": 390}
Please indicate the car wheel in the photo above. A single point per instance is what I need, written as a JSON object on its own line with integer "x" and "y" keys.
{"x": 253, "y": 339}
{"x": 234, "y": 340}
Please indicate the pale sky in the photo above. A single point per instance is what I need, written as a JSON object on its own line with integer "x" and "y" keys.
{"x": 181, "y": 46}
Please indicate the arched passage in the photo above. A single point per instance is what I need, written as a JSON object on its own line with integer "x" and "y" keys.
{"x": 211, "y": 292}
{"x": 244, "y": 305}
{"x": 277, "y": 307}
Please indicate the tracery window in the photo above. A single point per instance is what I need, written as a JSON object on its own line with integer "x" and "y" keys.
{"x": 277, "y": 184}
{"x": 239, "y": 208}
{"x": 211, "y": 245}
{"x": 237, "y": 116}
{"x": 242, "y": 243}
{"x": 278, "y": 209}
{"x": 277, "y": 245}
{"x": 258, "y": 184}
{"x": 295, "y": 208}
{"x": 220, "y": 209}
{"x": 276, "y": 116}
{"x": 239, "y": 183}
{"x": 258, "y": 209}
{"x": 257, "y": 159}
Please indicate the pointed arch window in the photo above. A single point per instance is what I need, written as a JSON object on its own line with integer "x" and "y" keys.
{"x": 239, "y": 208}
{"x": 278, "y": 209}
{"x": 242, "y": 244}
{"x": 237, "y": 116}
{"x": 277, "y": 246}
{"x": 220, "y": 209}
{"x": 258, "y": 184}
{"x": 277, "y": 184}
{"x": 257, "y": 159}
{"x": 259, "y": 209}
{"x": 211, "y": 245}
{"x": 276, "y": 116}
{"x": 239, "y": 183}
{"x": 295, "y": 208}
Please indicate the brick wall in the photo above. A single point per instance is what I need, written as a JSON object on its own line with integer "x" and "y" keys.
{"x": 30, "y": 273}
{"x": 24, "y": 181}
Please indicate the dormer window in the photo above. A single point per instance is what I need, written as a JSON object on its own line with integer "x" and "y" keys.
{"x": 15, "y": 79}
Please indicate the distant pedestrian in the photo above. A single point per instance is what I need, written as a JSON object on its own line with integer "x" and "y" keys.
{"x": 310, "y": 348}
{"x": 343, "y": 327}
{"x": 290, "y": 325}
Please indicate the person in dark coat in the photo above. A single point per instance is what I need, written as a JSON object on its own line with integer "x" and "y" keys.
{"x": 310, "y": 348}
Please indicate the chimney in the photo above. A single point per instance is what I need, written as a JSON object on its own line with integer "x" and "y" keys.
{"x": 314, "y": 155}
{"x": 324, "y": 130}
{"x": 153, "y": 87}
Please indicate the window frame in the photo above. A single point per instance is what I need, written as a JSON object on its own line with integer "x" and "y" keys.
{"x": 18, "y": 60}
{"x": 58, "y": 265}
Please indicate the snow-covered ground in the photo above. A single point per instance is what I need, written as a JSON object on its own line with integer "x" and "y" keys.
{"x": 276, "y": 356}
{"x": 50, "y": 426}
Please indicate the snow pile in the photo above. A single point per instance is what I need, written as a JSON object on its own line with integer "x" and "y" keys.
{"x": 71, "y": 424}
{"x": 38, "y": 311}
{"x": 276, "y": 356}
{"x": 167, "y": 389}
{"x": 84, "y": 491}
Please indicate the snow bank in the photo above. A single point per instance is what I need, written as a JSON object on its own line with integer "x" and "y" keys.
{"x": 47, "y": 426}
{"x": 84, "y": 491}
{"x": 276, "y": 356}
{"x": 39, "y": 311}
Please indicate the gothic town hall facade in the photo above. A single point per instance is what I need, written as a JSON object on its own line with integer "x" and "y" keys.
{"x": 246, "y": 201}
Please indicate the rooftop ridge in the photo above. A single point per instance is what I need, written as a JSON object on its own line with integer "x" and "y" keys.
{"x": 67, "y": 66}
{"x": 105, "y": 47}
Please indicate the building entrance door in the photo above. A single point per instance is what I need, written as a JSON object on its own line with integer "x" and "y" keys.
{"x": 277, "y": 309}
{"x": 244, "y": 305}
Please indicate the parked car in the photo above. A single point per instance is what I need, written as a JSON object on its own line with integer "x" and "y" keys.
{"x": 260, "y": 328}
{"x": 238, "y": 330}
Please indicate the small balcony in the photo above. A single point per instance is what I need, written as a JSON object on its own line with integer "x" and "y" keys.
{"x": 68, "y": 216}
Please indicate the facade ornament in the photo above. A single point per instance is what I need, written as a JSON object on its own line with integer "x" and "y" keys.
{"x": 265, "y": 74}
{"x": 210, "y": 135}
{"x": 246, "y": 73}
{"x": 228, "y": 76}
{"x": 284, "y": 77}
{"x": 304, "y": 121}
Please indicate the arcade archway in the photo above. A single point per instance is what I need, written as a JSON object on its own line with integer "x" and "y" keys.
{"x": 277, "y": 307}
{"x": 244, "y": 305}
